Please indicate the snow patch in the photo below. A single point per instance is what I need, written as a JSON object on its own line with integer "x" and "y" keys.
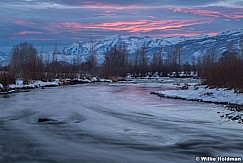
{"x": 204, "y": 94}
{"x": 19, "y": 84}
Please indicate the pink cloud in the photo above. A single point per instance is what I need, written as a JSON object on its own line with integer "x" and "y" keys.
{"x": 106, "y": 14}
{"x": 132, "y": 26}
{"x": 110, "y": 6}
{"x": 29, "y": 32}
{"x": 23, "y": 22}
{"x": 203, "y": 12}
{"x": 185, "y": 33}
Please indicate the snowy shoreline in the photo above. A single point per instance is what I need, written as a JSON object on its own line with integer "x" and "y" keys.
{"x": 203, "y": 93}
{"x": 176, "y": 88}
{"x": 191, "y": 89}
{"x": 20, "y": 86}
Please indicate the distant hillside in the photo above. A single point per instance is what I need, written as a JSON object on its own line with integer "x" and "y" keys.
{"x": 191, "y": 47}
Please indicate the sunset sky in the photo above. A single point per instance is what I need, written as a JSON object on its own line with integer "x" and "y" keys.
{"x": 66, "y": 21}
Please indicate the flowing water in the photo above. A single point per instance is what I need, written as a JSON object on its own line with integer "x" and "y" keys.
{"x": 112, "y": 123}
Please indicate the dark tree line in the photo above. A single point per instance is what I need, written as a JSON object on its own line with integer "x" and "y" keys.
{"x": 26, "y": 64}
{"x": 226, "y": 71}
{"x": 116, "y": 62}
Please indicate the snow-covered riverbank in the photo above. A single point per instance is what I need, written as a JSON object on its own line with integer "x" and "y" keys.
{"x": 11, "y": 88}
{"x": 35, "y": 84}
{"x": 189, "y": 89}
{"x": 177, "y": 88}
{"x": 19, "y": 84}
{"x": 204, "y": 94}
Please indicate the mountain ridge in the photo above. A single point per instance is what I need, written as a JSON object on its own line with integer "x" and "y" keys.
{"x": 191, "y": 47}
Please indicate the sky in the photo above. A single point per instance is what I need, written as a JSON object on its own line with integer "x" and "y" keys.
{"x": 48, "y": 22}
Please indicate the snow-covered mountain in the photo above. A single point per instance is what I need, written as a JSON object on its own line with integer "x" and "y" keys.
{"x": 191, "y": 47}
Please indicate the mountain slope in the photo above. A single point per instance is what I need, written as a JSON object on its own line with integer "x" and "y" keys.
{"x": 4, "y": 58}
{"x": 191, "y": 47}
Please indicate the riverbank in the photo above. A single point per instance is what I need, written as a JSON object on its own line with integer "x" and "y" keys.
{"x": 190, "y": 89}
{"x": 21, "y": 86}
{"x": 177, "y": 88}
{"x": 230, "y": 99}
{"x": 203, "y": 93}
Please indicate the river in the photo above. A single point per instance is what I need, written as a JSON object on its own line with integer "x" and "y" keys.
{"x": 112, "y": 123}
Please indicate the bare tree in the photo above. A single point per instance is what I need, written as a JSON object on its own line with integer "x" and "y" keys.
{"x": 141, "y": 60}
{"x": 92, "y": 60}
{"x": 135, "y": 62}
{"x": 54, "y": 54}
{"x": 116, "y": 61}
{"x": 25, "y": 63}
{"x": 226, "y": 72}
{"x": 210, "y": 57}
{"x": 157, "y": 62}
{"x": 172, "y": 60}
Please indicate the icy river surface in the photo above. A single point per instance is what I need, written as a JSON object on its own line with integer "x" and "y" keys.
{"x": 112, "y": 123}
